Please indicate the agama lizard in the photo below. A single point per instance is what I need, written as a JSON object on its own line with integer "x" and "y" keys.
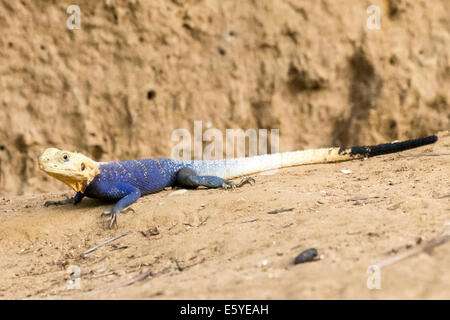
{"x": 124, "y": 182}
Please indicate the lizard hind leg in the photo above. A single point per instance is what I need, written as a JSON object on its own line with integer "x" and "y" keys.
{"x": 188, "y": 178}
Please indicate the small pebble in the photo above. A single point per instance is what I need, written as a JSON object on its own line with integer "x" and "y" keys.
{"x": 181, "y": 191}
{"x": 346, "y": 171}
{"x": 306, "y": 256}
{"x": 102, "y": 269}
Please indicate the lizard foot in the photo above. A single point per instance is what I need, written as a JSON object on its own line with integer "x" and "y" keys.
{"x": 113, "y": 215}
{"x": 53, "y": 203}
{"x": 248, "y": 180}
{"x": 232, "y": 185}
{"x": 58, "y": 203}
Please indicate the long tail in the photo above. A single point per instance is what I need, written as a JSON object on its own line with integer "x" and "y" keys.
{"x": 232, "y": 168}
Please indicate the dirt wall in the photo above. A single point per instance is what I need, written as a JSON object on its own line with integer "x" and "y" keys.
{"x": 136, "y": 70}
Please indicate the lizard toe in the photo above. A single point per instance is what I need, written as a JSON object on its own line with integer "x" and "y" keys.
{"x": 248, "y": 180}
{"x": 113, "y": 220}
{"x": 231, "y": 185}
{"x": 109, "y": 212}
{"x": 53, "y": 203}
{"x": 128, "y": 210}
{"x": 49, "y": 203}
{"x": 228, "y": 185}
{"x": 112, "y": 216}
{"x": 106, "y": 213}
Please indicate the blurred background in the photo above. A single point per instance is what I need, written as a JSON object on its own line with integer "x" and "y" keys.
{"x": 116, "y": 88}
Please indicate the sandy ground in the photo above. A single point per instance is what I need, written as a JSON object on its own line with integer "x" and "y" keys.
{"x": 224, "y": 244}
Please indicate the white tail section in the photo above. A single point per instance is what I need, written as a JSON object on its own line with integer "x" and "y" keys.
{"x": 232, "y": 168}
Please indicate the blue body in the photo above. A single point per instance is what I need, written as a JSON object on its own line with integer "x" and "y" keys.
{"x": 126, "y": 181}
{"x": 147, "y": 175}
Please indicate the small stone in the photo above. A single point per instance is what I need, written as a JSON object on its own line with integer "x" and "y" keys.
{"x": 102, "y": 269}
{"x": 306, "y": 256}
{"x": 153, "y": 231}
{"x": 178, "y": 192}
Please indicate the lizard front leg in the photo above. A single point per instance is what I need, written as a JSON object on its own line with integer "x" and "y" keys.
{"x": 75, "y": 200}
{"x": 128, "y": 194}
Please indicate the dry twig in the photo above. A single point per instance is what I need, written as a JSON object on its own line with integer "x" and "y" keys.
{"x": 103, "y": 243}
{"x": 426, "y": 247}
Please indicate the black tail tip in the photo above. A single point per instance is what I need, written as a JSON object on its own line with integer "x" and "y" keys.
{"x": 371, "y": 151}
{"x": 432, "y": 138}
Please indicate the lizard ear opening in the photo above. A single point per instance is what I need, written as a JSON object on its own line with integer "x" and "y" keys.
{"x": 83, "y": 166}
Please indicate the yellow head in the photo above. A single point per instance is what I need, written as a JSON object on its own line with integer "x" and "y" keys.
{"x": 74, "y": 169}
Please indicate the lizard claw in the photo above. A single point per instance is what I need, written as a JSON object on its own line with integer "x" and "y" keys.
{"x": 128, "y": 210}
{"x": 113, "y": 215}
{"x": 59, "y": 202}
{"x": 109, "y": 212}
{"x": 113, "y": 220}
{"x": 50, "y": 203}
{"x": 106, "y": 213}
{"x": 229, "y": 185}
{"x": 248, "y": 180}
{"x": 232, "y": 185}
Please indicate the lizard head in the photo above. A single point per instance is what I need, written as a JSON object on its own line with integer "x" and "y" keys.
{"x": 74, "y": 169}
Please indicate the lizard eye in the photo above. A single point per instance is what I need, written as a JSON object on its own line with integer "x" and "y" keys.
{"x": 65, "y": 157}
{"x": 83, "y": 167}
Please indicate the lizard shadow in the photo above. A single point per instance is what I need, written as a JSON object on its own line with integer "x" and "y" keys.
{"x": 91, "y": 203}
{"x": 87, "y": 203}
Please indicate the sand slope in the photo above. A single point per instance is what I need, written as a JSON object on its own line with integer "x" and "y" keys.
{"x": 224, "y": 244}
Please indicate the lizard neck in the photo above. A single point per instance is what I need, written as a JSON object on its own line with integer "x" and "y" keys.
{"x": 81, "y": 180}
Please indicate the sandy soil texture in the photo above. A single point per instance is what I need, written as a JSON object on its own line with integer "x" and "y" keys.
{"x": 117, "y": 88}
{"x": 226, "y": 244}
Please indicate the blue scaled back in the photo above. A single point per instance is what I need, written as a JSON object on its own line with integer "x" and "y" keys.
{"x": 116, "y": 179}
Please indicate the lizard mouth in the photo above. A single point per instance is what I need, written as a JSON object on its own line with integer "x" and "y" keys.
{"x": 57, "y": 171}
{"x": 76, "y": 181}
